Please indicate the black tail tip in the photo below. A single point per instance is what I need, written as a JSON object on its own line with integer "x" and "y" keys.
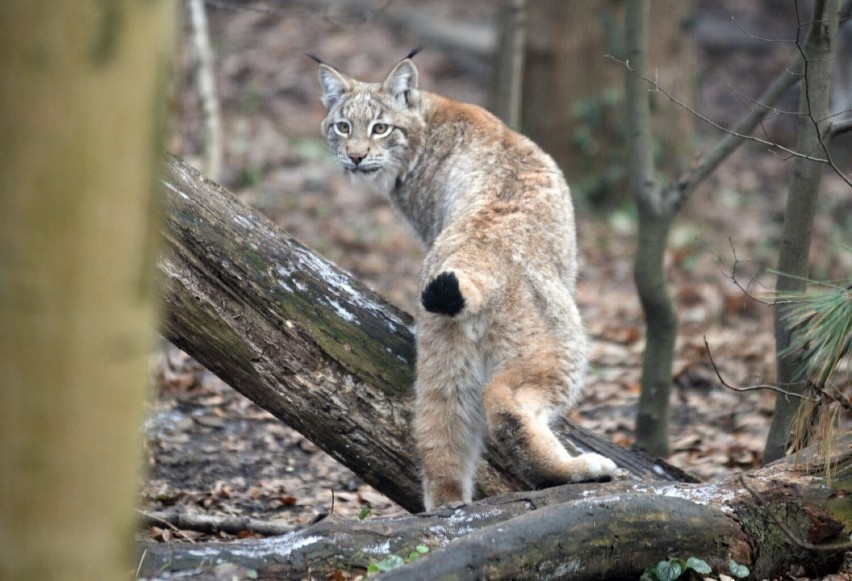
{"x": 442, "y": 295}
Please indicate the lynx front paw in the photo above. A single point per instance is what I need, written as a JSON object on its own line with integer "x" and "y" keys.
{"x": 598, "y": 467}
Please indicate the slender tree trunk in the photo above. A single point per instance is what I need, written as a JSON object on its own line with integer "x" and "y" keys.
{"x": 655, "y": 219}
{"x": 509, "y": 74}
{"x": 794, "y": 253}
{"x": 649, "y": 273}
{"x": 79, "y": 88}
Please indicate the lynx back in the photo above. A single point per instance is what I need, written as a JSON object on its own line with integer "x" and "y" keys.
{"x": 500, "y": 345}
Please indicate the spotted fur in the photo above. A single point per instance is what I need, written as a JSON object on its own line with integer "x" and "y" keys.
{"x": 500, "y": 345}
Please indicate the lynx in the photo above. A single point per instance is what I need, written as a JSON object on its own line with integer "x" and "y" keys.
{"x": 500, "y": 344}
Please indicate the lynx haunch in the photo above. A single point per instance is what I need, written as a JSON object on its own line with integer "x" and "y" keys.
{"x": 500, "y": 344}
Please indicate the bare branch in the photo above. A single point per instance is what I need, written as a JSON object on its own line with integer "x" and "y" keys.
{"x": 213, "y": 524}
{"x": 731, "y": 273}
{"x": 760, "y": 386}
{"x": 819, "y": 396}
{"x": 760, "y": 38}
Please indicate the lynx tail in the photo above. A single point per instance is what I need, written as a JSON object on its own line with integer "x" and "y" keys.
{"x": 442, "y": 295}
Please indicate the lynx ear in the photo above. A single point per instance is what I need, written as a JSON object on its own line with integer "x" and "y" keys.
{"x": 334, "y": 85}
{"x": 402, "y": 83}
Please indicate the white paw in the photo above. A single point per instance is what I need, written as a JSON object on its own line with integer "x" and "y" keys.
{"x": 599, "y": 466}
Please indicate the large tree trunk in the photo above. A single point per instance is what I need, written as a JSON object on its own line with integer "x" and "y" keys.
{"x": 80, "y": 86}
{"x": 309, "y": 343}
{"x": 590, "y": 531}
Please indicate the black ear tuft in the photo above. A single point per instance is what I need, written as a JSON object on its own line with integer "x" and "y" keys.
{"x": 442, "y": 295}
{"x": 414, "y": 52}
{"x": 315, "y": 58}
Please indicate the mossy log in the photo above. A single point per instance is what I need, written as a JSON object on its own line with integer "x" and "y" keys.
{"x": 590, "y": 531}
{"x": 309, "y": 343}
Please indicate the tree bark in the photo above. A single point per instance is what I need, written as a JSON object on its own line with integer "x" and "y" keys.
{"x": 655, "y": 219}
{"x": 794, "y": 254}
{"x": 590, "y": 531}
{"x": 307, "y": 342}
{"x": 80, "y": 96}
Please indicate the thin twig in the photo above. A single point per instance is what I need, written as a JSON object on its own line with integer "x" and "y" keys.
{"x": 818, "y": 395}
{"x": 161, "y": 518}
{"x": 760, "y": 38}
{"x": 676, "y": 101}
{"x": 753, "y": 387}
{"x": 141, "y": 560}
{"x": 213, "y": 524}
{"x": 829, "y": 548}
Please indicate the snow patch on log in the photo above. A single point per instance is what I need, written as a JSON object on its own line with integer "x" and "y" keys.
{"x": 380, "y": 549}
{"x": 260, "y": 549}
{"x": 704, "y": 495}
{"x": 340, "y": 282}
{"x": 563, "y": 570}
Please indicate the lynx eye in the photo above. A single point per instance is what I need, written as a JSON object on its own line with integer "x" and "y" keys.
{"x": 380, "y": 129}
{"x": 342, "y": 128}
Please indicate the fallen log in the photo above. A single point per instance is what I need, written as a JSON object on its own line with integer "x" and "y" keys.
{"x": 591, "y": 531}
{"x": 309, "y": 343}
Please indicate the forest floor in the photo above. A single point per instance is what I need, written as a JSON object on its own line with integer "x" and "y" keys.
{"x": 209, "y": 450}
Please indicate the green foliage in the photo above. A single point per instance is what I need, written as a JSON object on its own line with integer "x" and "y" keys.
{"x": 389, "y": 563}
{"x": 365, "y": 512}
{"x": 693, "y": 568}
{"x": 737, "y": 570}
{"x": 820, "y": 322}
{"x": 392, "y": 562}
{"x": 698, "y": 566}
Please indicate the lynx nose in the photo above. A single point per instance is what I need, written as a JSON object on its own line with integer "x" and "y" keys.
{"x": 356, "y": 158}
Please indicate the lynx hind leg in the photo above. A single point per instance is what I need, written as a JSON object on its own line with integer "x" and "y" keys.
{"x": 517, "y": 408}
{"x": 448, "y": 426}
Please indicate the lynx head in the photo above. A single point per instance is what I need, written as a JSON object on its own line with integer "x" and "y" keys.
{"x": 375, "y": 129}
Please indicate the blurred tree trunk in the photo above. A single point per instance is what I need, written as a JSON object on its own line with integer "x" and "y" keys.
{"x": 79, "y": 89}
{"x": 794, "y": 253}
{"x": 573, "y": 96}
{"x": 509, "y": 77}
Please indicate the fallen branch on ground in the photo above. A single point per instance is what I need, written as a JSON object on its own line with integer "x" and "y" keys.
{"x": 589, "y": 531}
